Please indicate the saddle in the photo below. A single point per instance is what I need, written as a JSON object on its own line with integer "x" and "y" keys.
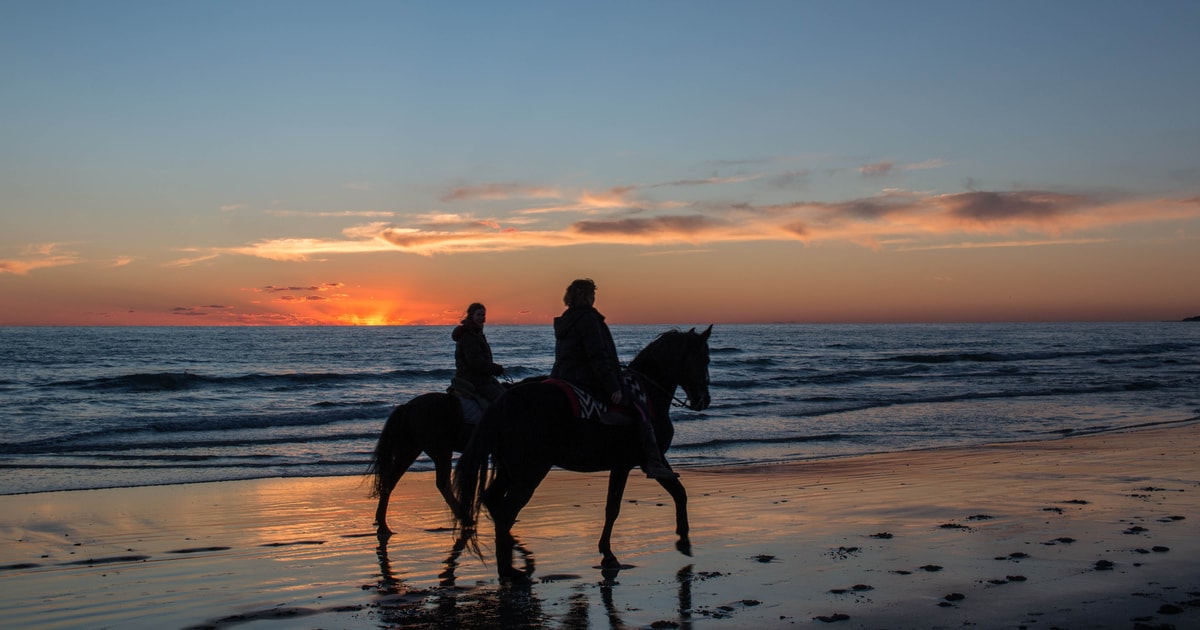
{"x": 586, "y": 407}
{"x": 472, "y": 403}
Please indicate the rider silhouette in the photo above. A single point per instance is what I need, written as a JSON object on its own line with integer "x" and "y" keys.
{"x": 473, "y": 355}
{"x": 585, "y": 355}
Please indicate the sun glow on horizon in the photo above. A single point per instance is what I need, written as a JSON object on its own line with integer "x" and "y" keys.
{"x": 373, "y": 319}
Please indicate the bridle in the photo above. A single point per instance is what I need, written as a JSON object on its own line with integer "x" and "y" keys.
{"x": 675, "y": 400}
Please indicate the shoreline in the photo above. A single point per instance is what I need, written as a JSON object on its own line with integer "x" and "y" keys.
{"x": 733, "y": 467}
{"x": 781, "y": 545}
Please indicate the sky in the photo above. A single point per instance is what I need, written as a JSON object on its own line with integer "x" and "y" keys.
{"x": 365, "y": 163}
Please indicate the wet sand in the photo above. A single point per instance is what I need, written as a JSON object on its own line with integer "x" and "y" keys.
{"x": 1084, "y": 532}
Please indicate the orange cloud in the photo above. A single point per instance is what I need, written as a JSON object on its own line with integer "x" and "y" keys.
{"x": 38, "y": 257}
{"x": 894, "y": 218}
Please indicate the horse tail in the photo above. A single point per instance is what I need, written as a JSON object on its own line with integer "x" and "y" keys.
{"x": 388, "y": 445}
{"x": 472, "y": 474}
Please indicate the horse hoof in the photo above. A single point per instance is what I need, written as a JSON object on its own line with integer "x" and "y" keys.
{"x": 684, "y": 547}
{"x": 514, "y": 577}
{"x": 383, "y": 533}
{"x": 610, "y": 562}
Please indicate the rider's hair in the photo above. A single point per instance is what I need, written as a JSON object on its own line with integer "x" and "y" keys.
{"x": 579, "y": 291}
{"x": 469, "y": 320}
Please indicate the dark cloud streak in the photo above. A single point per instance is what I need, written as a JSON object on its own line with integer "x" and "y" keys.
{"x": 691, "y": 224}
{"x": 999, "y": 206}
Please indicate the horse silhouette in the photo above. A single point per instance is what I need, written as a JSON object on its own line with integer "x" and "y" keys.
{"x": 431, "y": 423}
{"x": 533, "y": 427}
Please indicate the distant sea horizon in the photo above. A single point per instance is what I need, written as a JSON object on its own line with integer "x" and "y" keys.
{"x": 612, "y": 322}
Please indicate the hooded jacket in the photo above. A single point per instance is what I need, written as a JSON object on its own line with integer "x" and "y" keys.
{"x": 584, "y": 352}
{"x": 473, "y": 356}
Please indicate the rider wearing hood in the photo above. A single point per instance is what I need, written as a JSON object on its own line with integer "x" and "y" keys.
{"x": 584, "y": 352}
{"x": 473, "y": 356}
{"x": 585, "y": 355}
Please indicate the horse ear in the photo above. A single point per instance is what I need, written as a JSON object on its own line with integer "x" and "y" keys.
{"x": 706, "y": 333}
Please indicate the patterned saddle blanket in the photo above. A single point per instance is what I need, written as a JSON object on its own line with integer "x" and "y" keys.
{"x": 587, "y": 407}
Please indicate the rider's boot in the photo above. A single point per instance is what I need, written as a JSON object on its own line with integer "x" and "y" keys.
{"x": 656, "y": 466}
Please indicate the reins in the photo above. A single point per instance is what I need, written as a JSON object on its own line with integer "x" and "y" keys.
{"x": 675, "y": 401}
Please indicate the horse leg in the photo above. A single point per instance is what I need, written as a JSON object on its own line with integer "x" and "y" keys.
{"x": 504, "y": 499}
{"x": 389, "y": 475}
{"x": 679, "y": 494}
{"x": 617, "y": 479}
{"x": 442, "y": 465}
{"x": 496, "y": 500}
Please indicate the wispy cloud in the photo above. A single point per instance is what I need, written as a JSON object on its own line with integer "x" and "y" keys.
{"x": 496, "y": 190}
{"x": 303, "y": 248}
{"x": 893, "y": 219}
{"x": 328, "y": 286}
{"x": 39, "y": 256}
{"x": 230, "y": 315}
{"x": 707, "y": 181}
{"x": 877, "y": 169}
{"x": 302, "y": 298}
{"x": 364, "y": 214}
{"x": 682, "y": 226}
{"x": 1025, "y": 243}
{"x": 789, "y": 179}
{"x": 198, "y": 256}
{"x": 199, "y": 311}
{"x": 926, "y": 165}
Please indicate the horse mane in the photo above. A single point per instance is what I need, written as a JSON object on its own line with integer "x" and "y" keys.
{"x": 646, "y": 354}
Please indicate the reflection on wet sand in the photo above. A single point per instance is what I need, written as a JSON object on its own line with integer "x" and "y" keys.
{"x": 503, "y": 604}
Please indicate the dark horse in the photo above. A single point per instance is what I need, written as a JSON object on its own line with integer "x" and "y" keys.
{"x": 532, "y": 427}
{"x": 432, "y": 423}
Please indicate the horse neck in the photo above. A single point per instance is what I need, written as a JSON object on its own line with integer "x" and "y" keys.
{"x": 660, "y": 389}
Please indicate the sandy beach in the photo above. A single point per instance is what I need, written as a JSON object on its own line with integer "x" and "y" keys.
{"x": 1084, "y": 532}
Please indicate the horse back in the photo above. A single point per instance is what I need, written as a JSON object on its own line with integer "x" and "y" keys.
{"x": 435, "y": 421}
{"x": 535, "y": 423}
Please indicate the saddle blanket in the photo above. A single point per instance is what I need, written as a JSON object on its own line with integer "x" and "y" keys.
{"x": 586, "y": 407}
{"x": 472, "y": 411}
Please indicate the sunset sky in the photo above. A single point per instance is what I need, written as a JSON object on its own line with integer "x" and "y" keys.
{"x": 259, "y": 162}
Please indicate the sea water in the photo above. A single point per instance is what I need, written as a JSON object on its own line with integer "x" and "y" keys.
{"x": 84, "y": 407}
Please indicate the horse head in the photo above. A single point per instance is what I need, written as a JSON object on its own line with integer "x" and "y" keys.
{"x": 694, "y": 369}
{"x": 679, "y": 359}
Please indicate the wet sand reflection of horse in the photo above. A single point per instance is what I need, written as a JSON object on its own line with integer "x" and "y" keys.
{"x": 532, "y": 428}
{"x": 505, "y": 605}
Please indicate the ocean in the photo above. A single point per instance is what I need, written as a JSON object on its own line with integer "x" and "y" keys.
{"x": 84, "y": 407}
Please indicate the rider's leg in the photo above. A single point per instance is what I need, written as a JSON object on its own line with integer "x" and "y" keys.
{"x": 656, "y": 466}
